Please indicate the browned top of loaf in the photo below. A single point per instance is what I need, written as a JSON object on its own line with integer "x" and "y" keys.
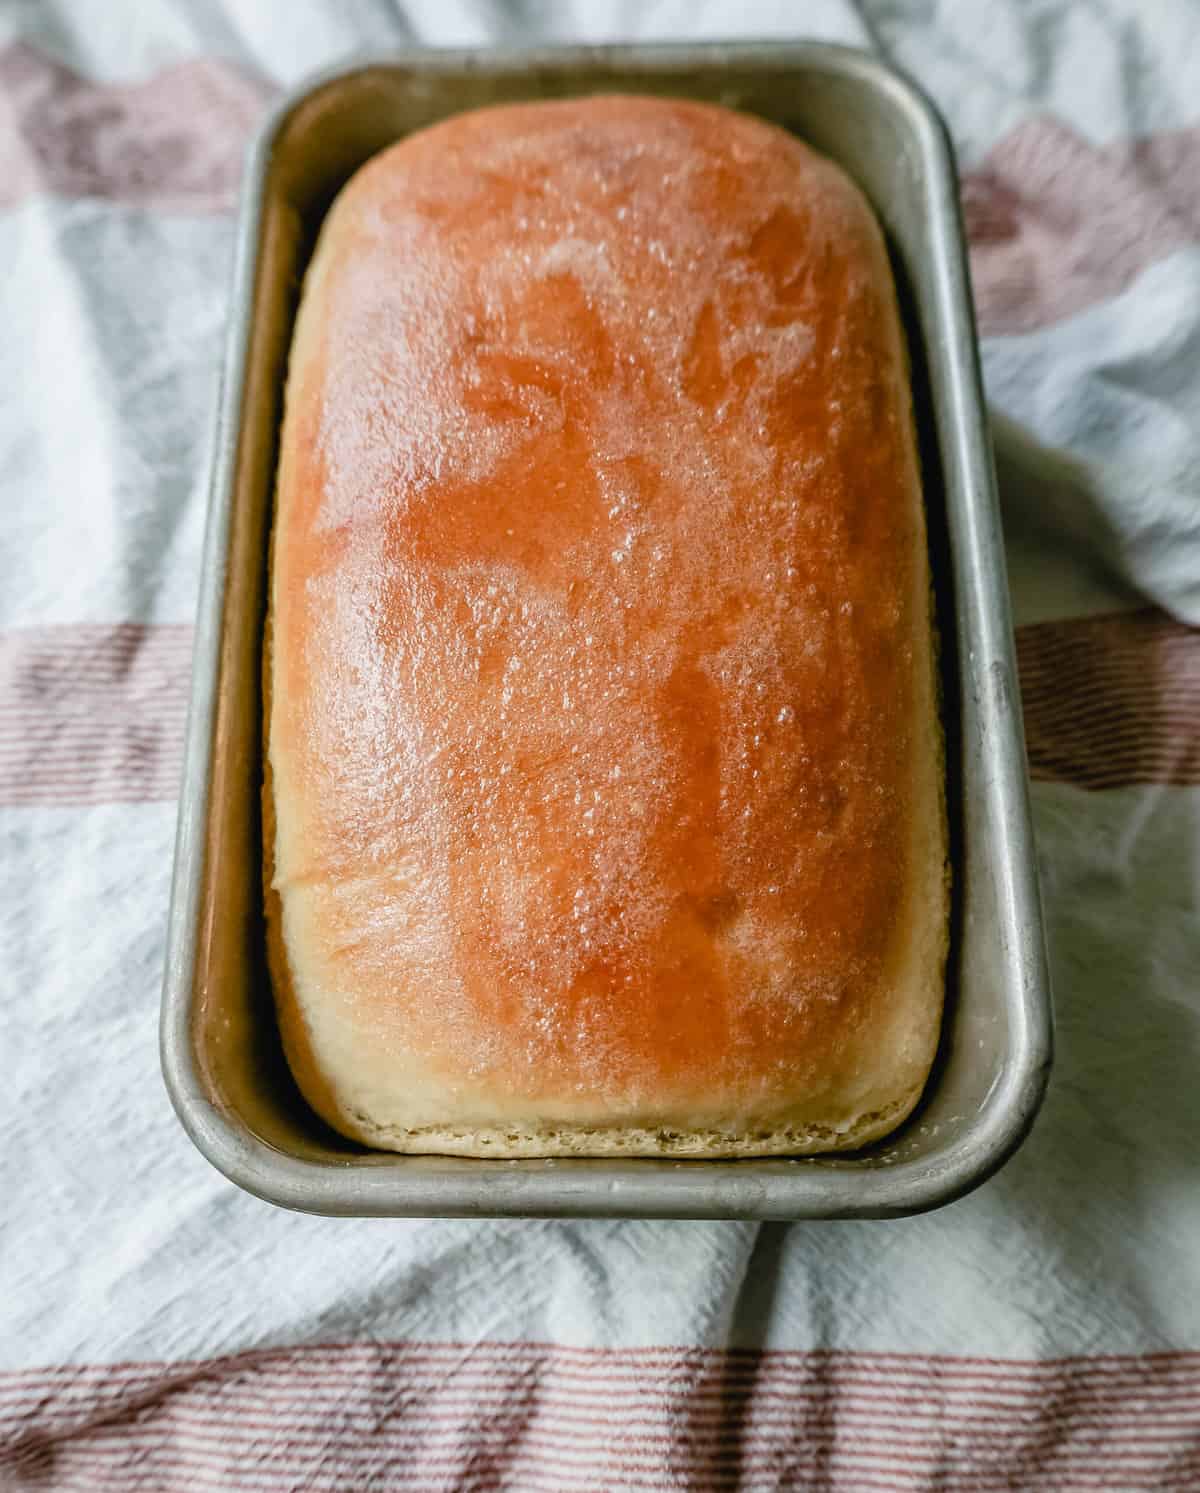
{"x": 594, "y": 604}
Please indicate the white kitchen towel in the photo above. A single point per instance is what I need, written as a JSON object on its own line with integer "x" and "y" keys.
{"x": 161, "y": 1330}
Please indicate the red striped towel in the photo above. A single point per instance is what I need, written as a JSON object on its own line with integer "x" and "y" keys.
{"x": 161, "y": 1331}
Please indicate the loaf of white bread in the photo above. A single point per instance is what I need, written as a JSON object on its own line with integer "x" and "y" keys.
{"x": 604, "y": 785}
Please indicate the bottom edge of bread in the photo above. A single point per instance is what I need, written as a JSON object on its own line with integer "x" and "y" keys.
{"x": 529, "y": 1142}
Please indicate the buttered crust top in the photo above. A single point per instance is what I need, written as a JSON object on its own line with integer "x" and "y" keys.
{"x": 604, "y": 789}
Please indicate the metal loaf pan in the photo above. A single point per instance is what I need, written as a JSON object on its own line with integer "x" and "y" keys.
{"x": 220, "y": 1049}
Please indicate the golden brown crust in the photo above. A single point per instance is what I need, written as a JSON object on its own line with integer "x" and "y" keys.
{"x": 602, "y": 739}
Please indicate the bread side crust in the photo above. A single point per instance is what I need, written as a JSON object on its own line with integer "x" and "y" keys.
{"x": 517, "y": 1138}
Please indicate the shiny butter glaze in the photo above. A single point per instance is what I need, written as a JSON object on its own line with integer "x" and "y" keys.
{"x": 597, "y": 572}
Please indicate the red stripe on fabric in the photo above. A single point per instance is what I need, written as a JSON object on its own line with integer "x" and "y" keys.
{"x": 1049, "y": 1441}
{"x": 1117, "y": 701}
{"x": 536, "y": 1413}
{"x": 1141, "y": 1424}
{"x": 92, "y": 714}
{"x": 175, "y": 141}
{"x": 215, "y": 1473}
{"x": 195, "y": 1473}
{"x": 518, "y": 1469}
{"x": 306, "y": 1388}
{"x": 1177, "y": 687}
{"x": 90, "y": 771}
{"x": 560, "y": 1454}
{"x": 74, "y": 732}
{"x": 92, "y": 767}
{"x": 73, "y": 803}
{"x": 995, "y": 1400}
{"x": 1055, "y": 223}
{"x": 200, "y": 1472}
